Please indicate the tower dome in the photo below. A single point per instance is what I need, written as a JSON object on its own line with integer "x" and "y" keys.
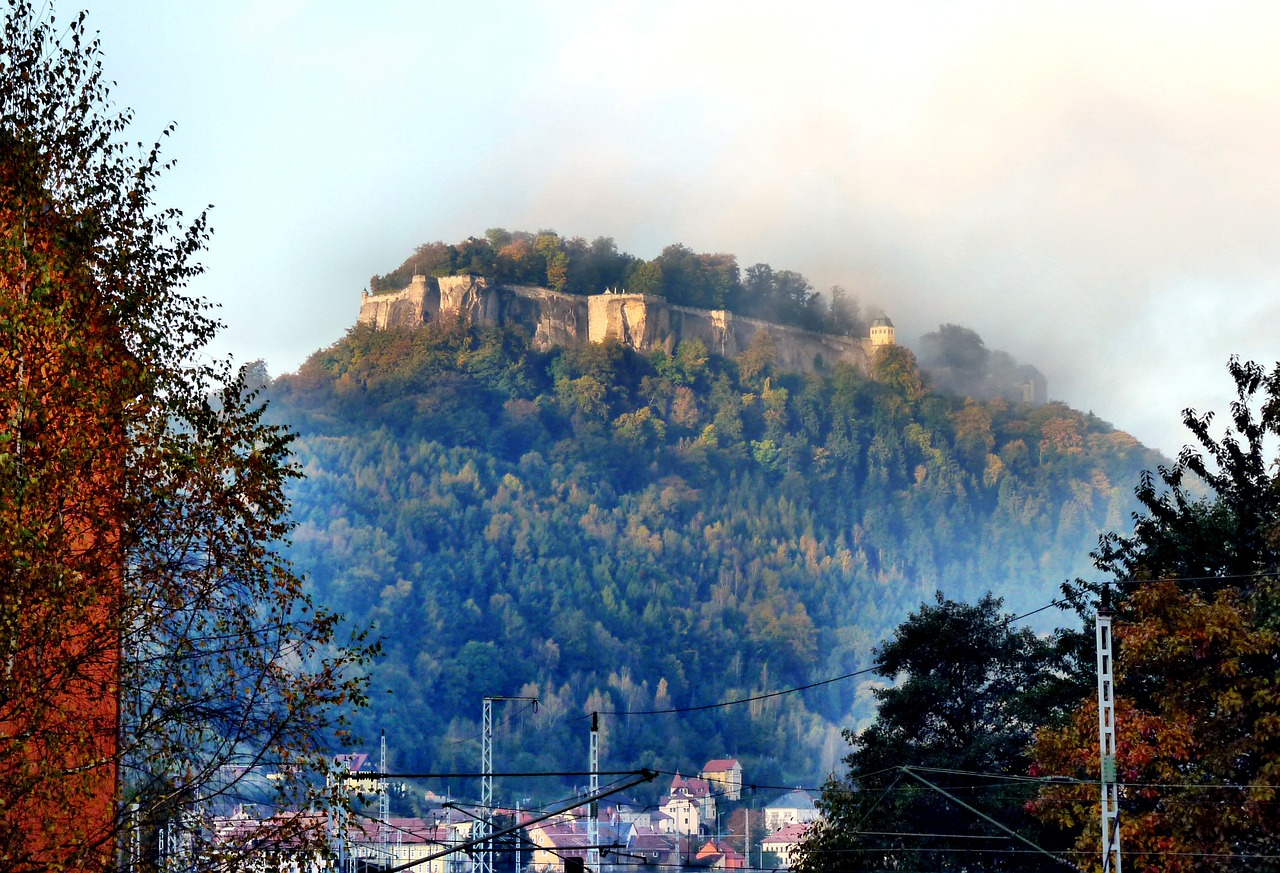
{"x": 882, "y": 331}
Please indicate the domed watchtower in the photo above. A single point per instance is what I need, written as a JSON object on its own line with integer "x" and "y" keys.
{"x": 882, "y": 331}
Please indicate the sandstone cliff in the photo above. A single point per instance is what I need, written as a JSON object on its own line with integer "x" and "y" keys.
{"x": 640, "y": 321}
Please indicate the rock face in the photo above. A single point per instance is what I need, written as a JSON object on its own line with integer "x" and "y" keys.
{"x": 641, "y": 321}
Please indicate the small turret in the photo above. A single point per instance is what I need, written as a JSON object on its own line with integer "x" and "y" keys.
{"x": 882, "y": 331}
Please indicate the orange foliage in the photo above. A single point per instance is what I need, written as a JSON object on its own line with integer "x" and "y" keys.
{"x": 1197, "y": 746}
{"x": 65, "y": 375}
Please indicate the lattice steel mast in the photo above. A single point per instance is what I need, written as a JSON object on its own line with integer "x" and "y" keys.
{"x": 1110, "y": 811}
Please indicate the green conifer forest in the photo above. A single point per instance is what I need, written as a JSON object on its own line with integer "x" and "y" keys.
{"x": 622, "y": 533}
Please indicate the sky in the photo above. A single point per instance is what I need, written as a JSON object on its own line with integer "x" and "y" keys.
{"x": 1092, "y": 187}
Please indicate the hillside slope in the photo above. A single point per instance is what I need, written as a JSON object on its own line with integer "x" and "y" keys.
{"x": 615, "y": 532}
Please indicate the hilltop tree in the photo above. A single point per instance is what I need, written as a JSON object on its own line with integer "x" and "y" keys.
{"x": 843, "y": 315}
{"x": 896, "y": 367}
{"x": 151, "y": 636}
{"x": 688, "y": 279}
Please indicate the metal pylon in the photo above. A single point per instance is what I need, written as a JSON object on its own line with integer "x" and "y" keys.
{"x": 482, "y": 827}
{"x": 485, "y": 864}
{"x": 593, "y": 820}
{"x": 384, "y": 808}
{"x": 1107, "y": 741}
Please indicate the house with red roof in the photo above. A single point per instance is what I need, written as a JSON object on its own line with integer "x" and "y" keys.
{"x": 555, "y": 841}
{"x": 679, "y": 814}
{"x": 654, "y": 848}
{"x": 719, "y": 855}
{"x": 409, "y": 839}
{"x": 783, "y": 843}
{"x": 725, "y": 777}
{"x": 695, "y": 790}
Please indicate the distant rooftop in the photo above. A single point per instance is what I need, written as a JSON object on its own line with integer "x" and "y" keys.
{"x": 798, "y": 799}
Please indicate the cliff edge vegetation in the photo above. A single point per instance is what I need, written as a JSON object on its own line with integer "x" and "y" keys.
{"x": 680, "y": 275}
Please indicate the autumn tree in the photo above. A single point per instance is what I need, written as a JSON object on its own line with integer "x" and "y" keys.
{"x": 157, "y": 651}
{"x": 1197, "y": 747}
{"x": 62, "y": 453}
{"x": 968, "y": 691}
{"x": 1197, "y": 647}
{"x": 757, "y": 361}
{"x": 896, "y": 367}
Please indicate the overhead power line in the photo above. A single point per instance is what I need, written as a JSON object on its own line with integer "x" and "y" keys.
{"x": 561, "y": 773}
{"x": 1059, "y": 603}
{"x": 752, "y": 699}
{"x": 641, "y": 776}
{"x": 779, "y": 693}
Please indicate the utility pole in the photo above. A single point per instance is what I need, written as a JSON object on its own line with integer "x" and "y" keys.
{"x": 384, "y": 807}
{"x": 593, "y": 820}
{"x": 481, "y": 829}
{"x": 1110, "y": 811}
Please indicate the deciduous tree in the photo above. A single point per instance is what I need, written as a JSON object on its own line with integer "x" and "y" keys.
{"x": 968, "y": 691}
{"x": 157, "y": 652}
{"x": 1196, "y": 658}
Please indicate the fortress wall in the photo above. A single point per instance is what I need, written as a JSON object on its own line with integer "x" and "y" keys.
{"x": 468, "y": 295}
{"x": 552, "y": 318}
{"x": 641, "y": 321}
{"x": 408, "y": 307}
{"x": 637, "y": 320}
{"x": 796, "y": 349}
{"x": 713, "y": 326}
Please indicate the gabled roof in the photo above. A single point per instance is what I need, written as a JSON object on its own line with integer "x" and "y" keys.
{"x": 653, "y": 843}
{"x": 558, "y": 827}
{"x": 716, "y": 848}
{"x": 798, "y": 799}
{"x": 278, "y": 831}
{"x": 567, "y": 841}
{"x": 693, "y": 786}
{"x": 789, "y": 835}
{"x": 403, "y": 830}
{"x": 355, "y": 761}
{"x": 562, "y": 835}
{"x": 720, "y": 765}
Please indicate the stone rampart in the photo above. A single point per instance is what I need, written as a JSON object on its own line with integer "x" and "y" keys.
{"x": 408, "y": 307}
{"x": 641, "y": 321}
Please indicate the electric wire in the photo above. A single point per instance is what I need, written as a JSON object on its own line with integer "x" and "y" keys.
{"x": 1056, "y": 603}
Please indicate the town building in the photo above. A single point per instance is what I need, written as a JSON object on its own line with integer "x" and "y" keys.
{"x": 794, "y": 807}
{"x": 725, "y": 777}
{"x": 782, "y": 845}
{"x": 719, "y": 855}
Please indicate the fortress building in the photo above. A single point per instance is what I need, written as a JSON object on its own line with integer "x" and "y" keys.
{"x": 642, "y": 321}
{"x": 882, "y": 332}
{"x": 646, "y": 323}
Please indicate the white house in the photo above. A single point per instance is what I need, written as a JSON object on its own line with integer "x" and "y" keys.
{"x": 794, "y": 807}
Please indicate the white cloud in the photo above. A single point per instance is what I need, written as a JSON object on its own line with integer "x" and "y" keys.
{"x": 1056, "y": 176}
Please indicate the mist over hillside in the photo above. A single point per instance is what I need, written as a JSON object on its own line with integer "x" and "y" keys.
{"x": 958, "y": 362}
{"x": 955, "y": 358}
{"x": 627, "y": 533}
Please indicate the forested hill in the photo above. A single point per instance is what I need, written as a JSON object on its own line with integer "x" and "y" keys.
{"x": 614, "y": 532}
